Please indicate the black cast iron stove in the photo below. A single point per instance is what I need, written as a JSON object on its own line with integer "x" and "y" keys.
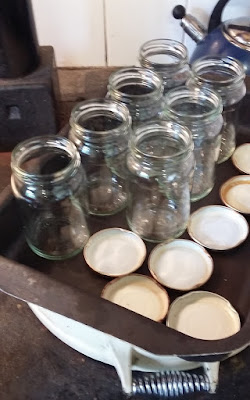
{"x": 28, "y": 78}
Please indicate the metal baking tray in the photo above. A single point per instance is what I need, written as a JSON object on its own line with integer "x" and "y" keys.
{"x": 72, "y": 289}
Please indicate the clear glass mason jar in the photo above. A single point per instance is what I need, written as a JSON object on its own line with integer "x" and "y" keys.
{"x": 226, "y": 76}
{"x": 200, "y": 111}
{"x": 168, "y": 58}
{"x": 160, "y": 163}
{"x": 100, "y": 129}
{"x": 140, "y": 89}
{"x": 49, "y": 183}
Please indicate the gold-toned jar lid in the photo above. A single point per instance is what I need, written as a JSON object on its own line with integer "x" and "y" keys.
{"x": 203, "y": 315}
{"x": 138, "y": 293}
{"x": 235, "y": 193}
{"x": 241, "y": 158}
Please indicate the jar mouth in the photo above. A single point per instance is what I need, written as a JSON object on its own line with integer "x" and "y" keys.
{"x": 174, "y": 139}
{"x": 218, "y": 71}
{"x": 100, "y": 117}
{"x": 192, "y": 104}
{"x": 135, "y": 83}
{"x": 44, "y": 159}
{"x": 163, "y": 54}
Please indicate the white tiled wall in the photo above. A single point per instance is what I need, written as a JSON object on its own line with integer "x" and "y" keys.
{"x": 75, "y": 28}
{"x": 110, "y": 32}
{"x": 129, "y": 23}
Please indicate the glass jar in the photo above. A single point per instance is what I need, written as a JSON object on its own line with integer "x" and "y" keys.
{"x": 168, "y": 58}
{"x": 226, "y": 76}
{"x": 200, "y": 111}
{"x": 100, "y": 130}
{"x": 160, "y": 162}
{"x": 49, "y": 183}
{"x": 140, "y": 89}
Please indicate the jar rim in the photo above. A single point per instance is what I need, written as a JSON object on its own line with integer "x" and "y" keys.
{"x": 232, "y": 67}
{"x": 27, "y": 146}
{"x": 193, "y": 93}
{"x": 178, "y": 130}
{"x": 144, "y": 75}
{"x": 166, "y": 47}
{"x": 100, "y": 105}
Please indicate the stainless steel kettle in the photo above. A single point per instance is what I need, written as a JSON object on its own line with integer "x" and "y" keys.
{"x": 230, "y": 38}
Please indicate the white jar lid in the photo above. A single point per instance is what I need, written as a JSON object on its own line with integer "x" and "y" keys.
{"x": 114, "y": 252}
{"x": 138, "y": 293}
{"x": 203, "y": 315}
{"x": 241, "y": 158}
{"x": 180, "y": 264}
{"x": 218, "y": 227}
{"x": 235, "y": 193}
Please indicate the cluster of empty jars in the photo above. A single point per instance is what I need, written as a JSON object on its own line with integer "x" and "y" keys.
{"x": 150, "y": 146}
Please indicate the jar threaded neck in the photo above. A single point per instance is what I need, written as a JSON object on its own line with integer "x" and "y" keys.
{"x": 222, "y": 74}
{"x": 146, "y": 83}
{"x": 99, "y": 121}
{"x": 192, "y": 105}
{"x": 163, "y": 55}
{"x": 27, "y": 155}
{"x": 161, "y": 143}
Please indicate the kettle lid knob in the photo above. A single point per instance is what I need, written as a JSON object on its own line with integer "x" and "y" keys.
{"x": 189, "y": 23}
{"x": 179, "y": 12}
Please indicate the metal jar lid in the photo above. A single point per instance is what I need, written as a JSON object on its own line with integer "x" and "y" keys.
{"x": 237, "y": 31}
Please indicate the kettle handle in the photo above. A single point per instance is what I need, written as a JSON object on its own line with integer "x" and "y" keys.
{"x": 215, "y": 18}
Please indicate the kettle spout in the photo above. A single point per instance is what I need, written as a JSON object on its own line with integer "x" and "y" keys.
{"x": 189, "y": 24}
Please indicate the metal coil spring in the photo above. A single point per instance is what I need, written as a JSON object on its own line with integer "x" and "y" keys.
{"x": 170, "y": 384}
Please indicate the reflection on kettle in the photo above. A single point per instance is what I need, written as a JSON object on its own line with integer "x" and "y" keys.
{"x": 231, "y": 38}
